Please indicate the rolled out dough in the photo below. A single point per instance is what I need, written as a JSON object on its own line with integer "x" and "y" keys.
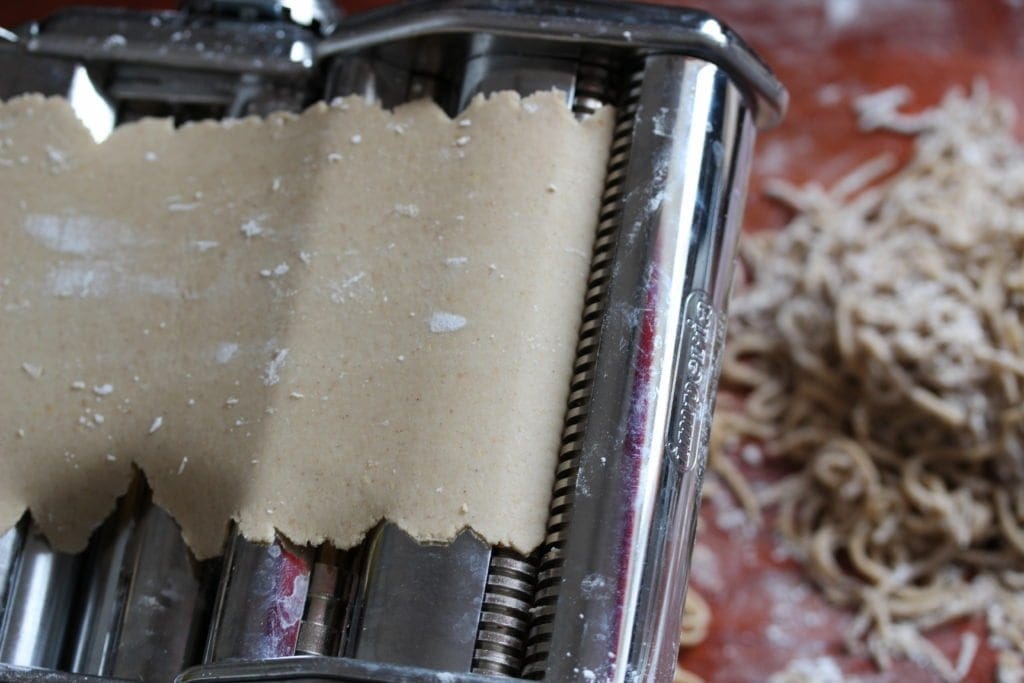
{"x": 307, "y": 323}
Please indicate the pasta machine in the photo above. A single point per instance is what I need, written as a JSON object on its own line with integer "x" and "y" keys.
{"x": 601, "y": 599}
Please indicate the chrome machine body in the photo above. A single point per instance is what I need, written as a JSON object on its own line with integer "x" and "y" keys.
{"x": 601, "y": 598}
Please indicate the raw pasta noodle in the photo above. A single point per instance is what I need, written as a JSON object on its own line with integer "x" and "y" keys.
{"x": 692, "y": 631}
{"x": 696, "y": 620}
{"x": 879, "y": 343}
{"x": 684, "y": 676}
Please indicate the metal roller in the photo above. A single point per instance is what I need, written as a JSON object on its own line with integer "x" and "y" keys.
{"x": 320, "y": 628}
{"x": 627, "y": 537}
{"x": 260, "y": 600}
{"x": 142, "y": 597}
{"x": 419, "y": 604}
{"x": 505, "y": 615}
{"x": 38, "y": 606}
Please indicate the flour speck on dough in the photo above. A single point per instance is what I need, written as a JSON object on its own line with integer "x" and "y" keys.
{"x": 203, "y": 246}
{"x": 252, "y": 228}
{"x": 34, "y": 371}
{"x": 441, "y": 322}
{"x": 225, "y": 352}
{"x": 57, "y": 157}
{"x": 277, "y": 271}
{"x": 270, "y": 375}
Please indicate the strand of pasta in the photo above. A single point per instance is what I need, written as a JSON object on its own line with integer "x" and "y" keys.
{"x": 693, "y": 631}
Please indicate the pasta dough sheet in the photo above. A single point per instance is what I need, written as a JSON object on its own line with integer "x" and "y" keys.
{"x": 307, "y": 323}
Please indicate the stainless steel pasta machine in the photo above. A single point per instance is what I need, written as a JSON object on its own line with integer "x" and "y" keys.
{"x": 600, "y": 600}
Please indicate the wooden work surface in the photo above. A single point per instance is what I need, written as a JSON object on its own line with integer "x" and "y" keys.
{"x": 826, "y": 52}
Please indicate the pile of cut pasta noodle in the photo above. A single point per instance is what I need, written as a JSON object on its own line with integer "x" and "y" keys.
{"x": 878, "y": 347}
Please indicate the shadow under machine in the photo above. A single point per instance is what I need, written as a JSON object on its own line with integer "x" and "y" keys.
{"x": 689, "y": 97}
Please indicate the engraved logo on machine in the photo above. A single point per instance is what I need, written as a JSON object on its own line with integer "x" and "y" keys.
{"x": 696, "y": 382}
